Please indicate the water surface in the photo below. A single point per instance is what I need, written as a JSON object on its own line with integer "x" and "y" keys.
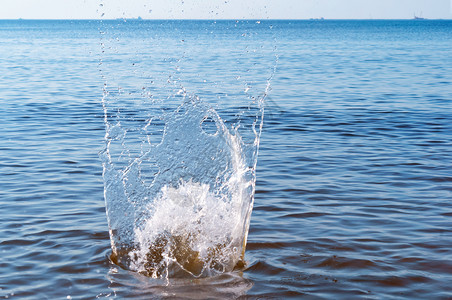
{"x": 353, "y": 192}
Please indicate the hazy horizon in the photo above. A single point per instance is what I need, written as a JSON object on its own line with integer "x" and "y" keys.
{"x": 229, "y": 9}
{"x": 222, "y": 19}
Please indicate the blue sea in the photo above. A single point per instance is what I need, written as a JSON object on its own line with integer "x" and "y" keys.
{"x": 353, "y": 183}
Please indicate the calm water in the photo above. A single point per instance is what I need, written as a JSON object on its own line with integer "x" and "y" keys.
{"x": 354, "y": 181}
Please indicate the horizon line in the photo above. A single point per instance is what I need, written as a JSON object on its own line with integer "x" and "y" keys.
{"x": 227, "y": 19}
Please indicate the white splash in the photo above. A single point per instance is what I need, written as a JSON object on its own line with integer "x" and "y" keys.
{"x": 179, "y": 169}
{"x": 189, "y": 212}
{"x": 198, "y": 228}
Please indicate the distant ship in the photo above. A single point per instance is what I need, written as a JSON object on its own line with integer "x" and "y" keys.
{"x": 418, "y": 18}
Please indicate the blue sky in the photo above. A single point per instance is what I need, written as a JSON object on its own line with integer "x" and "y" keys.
{"x": 229, "y": 9}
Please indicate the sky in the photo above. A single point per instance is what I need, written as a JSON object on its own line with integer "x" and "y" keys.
{"x": 226, "y": 9}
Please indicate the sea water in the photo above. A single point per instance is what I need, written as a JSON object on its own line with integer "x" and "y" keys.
{"x": 352, "y": 191}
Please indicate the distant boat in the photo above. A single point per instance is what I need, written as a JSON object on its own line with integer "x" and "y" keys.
{"x": 418, "y": 18}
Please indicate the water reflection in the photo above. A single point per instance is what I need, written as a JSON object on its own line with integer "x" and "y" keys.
{"x": 230, "y": 285}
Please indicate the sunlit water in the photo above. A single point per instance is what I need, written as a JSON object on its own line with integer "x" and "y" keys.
{"x": 353, "y": 182}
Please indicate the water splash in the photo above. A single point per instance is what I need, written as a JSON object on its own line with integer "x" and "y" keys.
{"x": 182, "y": 205}
{"x": 179, "y": 171}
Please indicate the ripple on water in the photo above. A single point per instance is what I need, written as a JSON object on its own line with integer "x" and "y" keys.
{"x": 353, "y": 185}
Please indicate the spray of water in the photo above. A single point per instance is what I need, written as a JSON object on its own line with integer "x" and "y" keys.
{"x": 182, "y": 205}
{"x": 179, "y": 170}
